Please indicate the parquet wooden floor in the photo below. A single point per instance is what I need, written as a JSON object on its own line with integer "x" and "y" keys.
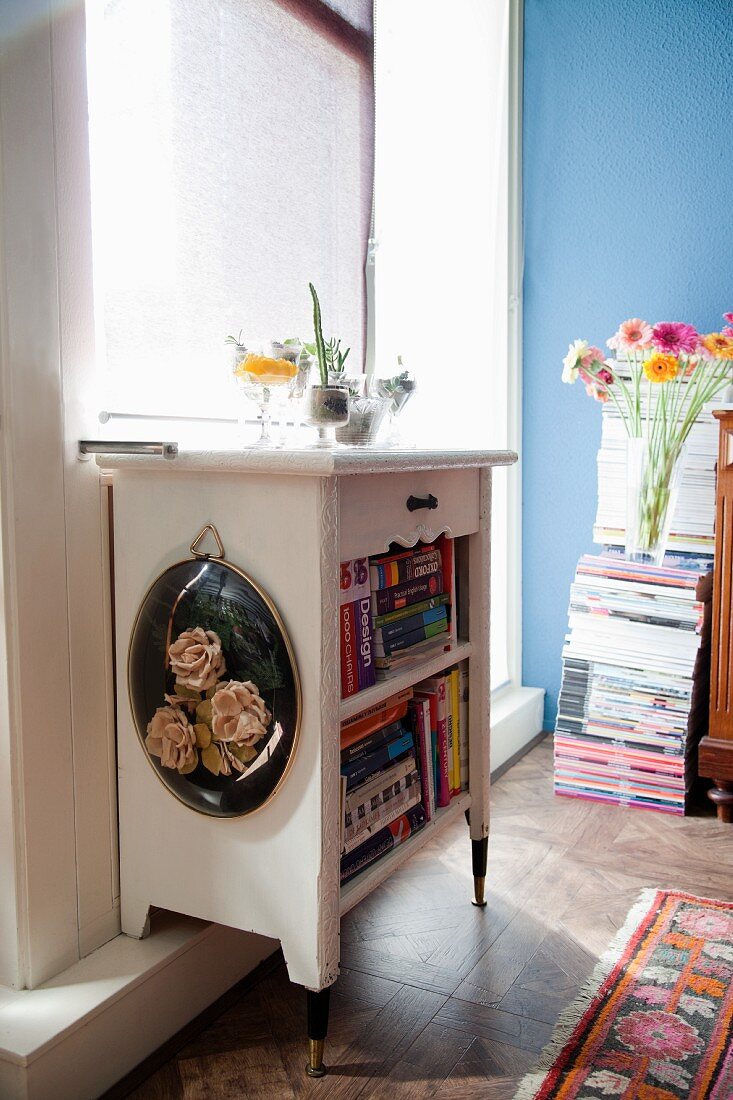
{"x": 438, "y": 999}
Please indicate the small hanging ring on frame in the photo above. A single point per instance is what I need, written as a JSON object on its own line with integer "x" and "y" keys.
{"x": 208, "y": 529}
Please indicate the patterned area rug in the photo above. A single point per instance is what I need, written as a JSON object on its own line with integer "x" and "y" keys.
{"x": 656, "y": 1019}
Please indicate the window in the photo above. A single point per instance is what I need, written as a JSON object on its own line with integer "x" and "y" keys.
{"x": 231, "y": 149}
{"x": 441, "y": 257}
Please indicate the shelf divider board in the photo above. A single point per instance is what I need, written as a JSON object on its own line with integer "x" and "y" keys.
{"x": 384, "y": 688}
{"x": 356, "y": 890}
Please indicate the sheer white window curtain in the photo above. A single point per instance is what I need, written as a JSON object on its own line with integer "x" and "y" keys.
{"x": 441, "y": 257}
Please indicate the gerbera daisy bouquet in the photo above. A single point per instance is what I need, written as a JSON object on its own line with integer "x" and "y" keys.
{"x": 659, "y": 379}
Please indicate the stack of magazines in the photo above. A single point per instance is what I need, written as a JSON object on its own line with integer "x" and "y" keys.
{"x": 628, "y": 674}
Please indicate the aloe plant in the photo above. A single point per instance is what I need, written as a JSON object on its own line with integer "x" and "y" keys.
{"x": 318, "y": 332}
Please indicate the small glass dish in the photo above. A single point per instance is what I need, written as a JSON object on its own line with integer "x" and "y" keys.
{"x": 266, "y": 374}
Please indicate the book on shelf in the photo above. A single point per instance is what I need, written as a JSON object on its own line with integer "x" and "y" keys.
{"x": 387, "y": 600}
{"x": 389, "y": 570}
{"x": 364, "y": 767}
{"x": 375, "y": 717}
{"x": 375, "y": 739}
{"x": 438, "y": 624}
{"x": 382, "y": 842}
{"x": 355, "y": 626}
{"x": 411, "y": 611}
{"x": 435, "y": 690}
{"x": 463, "y": 724}
{"x": 365, "y": 827}
{"x": 392, "y": 632}
{"x": 419, "y": 715}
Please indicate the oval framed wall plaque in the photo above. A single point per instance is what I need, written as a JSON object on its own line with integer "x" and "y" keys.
{"x": 214, "y": 686}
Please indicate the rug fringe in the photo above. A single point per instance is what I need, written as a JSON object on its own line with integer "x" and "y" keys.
{"x": 568, "y": 1019}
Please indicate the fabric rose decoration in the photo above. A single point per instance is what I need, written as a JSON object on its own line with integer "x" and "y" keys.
{"x": 196, "y": 659}
{"x": 239, "y": 715}
{"x": 171, "y": 737}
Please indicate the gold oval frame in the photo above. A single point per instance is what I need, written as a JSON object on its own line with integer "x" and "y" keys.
{"x": 267, "y": 600}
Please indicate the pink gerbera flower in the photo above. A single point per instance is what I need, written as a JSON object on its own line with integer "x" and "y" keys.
{"x": 728, "y": 329}
{"x": 728, "y": 317}
{"x": 632, "y": 335}
{"x": 675, "y": 338}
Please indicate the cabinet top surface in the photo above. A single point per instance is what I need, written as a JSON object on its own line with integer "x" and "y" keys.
{"x": 313, "y": 462}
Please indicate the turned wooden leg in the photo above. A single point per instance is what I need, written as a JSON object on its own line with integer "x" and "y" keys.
{"x": 480, "y": 855}
{"x": 317, "y": 1027}
{"x": 722, "y": 795}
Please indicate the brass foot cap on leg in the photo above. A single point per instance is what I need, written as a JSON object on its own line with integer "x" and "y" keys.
{"x": 479, "y": 885}
{"x": 315, "y": 1066}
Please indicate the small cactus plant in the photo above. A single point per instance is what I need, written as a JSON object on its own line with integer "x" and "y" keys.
{"x": 318, "y": 331}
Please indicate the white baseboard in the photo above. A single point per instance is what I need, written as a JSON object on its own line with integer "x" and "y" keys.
{"x": 516, "y": 718}
{"x": 75, "y": 1036}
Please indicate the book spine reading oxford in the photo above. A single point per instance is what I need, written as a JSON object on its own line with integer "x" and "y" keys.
{"x": 386, "y": 573}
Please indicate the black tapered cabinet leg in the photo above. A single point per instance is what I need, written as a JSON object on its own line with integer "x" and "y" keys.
{"x": 317, "y": 1027}
{"x": 480, "y": 855}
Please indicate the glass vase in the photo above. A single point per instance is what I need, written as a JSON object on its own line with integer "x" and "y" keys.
{"x": 653, "y": 471}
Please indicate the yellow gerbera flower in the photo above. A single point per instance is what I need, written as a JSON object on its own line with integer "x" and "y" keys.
{"x": 660, "y": 367}
{"x": 719, "y": 346}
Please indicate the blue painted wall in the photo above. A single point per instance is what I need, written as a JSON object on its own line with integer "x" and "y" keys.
{"x": 628, "y": 212}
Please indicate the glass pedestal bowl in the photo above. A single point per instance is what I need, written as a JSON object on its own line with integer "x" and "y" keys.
{"x": 267, "y": 375}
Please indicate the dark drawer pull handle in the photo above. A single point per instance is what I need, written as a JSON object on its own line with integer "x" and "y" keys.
{"x": 413, "y": 503}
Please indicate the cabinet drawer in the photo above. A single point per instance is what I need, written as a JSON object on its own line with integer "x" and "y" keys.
{"x": 374, "y": 509}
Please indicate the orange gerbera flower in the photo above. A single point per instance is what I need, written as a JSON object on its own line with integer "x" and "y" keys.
{"x": 719, "y": 346}
{"x": 660, "y": 367}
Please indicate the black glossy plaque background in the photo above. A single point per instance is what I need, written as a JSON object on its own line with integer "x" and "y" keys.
{"x": 214, "y": 595}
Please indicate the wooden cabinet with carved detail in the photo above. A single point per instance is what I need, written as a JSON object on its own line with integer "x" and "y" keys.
{"x": 286, "y": 520}
{"x": 715, "y": 759}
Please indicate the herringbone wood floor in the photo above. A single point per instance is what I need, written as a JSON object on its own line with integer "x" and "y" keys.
{"x": 438, "y": 999}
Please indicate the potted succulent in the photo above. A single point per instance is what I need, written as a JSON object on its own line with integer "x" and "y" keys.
{"x": 327, "y": 404}
{"x": 397, "y": 391}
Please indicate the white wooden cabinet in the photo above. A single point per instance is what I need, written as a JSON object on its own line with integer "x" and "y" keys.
{"x": 287, "y": 519}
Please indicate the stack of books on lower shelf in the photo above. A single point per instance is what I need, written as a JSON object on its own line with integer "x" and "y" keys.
{"x": 401, "y": 760}
{"x": 629, "y": 666}
{"x": 411, "y": 592}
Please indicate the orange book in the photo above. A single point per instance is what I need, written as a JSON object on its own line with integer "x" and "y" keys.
{"x": 374, "y": 718}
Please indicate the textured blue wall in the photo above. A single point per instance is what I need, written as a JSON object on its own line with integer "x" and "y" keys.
{"x": 628, "y": 212}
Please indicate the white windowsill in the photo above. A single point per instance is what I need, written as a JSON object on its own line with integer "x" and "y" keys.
{"x": 516, "y": 720}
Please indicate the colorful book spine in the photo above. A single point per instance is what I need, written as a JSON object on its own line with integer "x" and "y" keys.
{"x": 403, "y": 595}
{"x": 453, "y": 687}
{"x": 413, "y": 656}
{"x": 380, "y": 788}
{"x": 375, "y": 717}
{"x": 373, "y": 741}
{"x": 411, "y": 610}
{"x": 358, "y": 670}
{"x": 392, "y": 631}
{"x": 437, "y": 684}
{"x": 463, "y": 723}
{"x": 380, "y": 818}
{"x": 358, "y": 771}
{"x": 406, "y": 641}
{"x": 419, "y": 711}
{"x": 382, "y": 842}
{"x": 403, "y": 569}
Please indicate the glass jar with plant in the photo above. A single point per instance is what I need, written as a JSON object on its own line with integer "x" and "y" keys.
{"x": 397, "y": 391}
{"x": 327, "y": 403}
